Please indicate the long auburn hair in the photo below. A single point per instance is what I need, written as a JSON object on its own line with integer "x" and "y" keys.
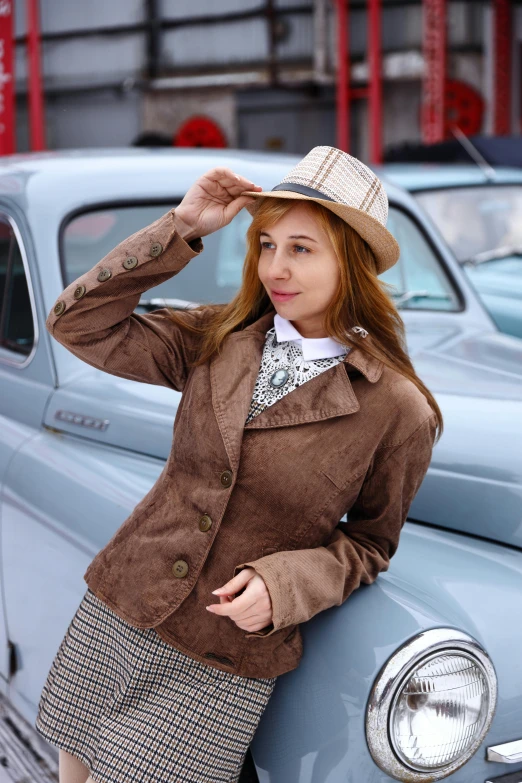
{"x": 362, "y": 299}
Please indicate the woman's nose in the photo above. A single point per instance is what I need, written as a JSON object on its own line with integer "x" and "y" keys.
{"x": 278, "y": 267}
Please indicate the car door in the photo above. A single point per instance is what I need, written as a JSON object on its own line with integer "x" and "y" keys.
{"x": 64, "y": 493}
{"x": 25, "y": 383}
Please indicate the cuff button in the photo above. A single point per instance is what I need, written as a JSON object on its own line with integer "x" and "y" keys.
{"x": 79, "y": 292}
{"x": 156, "y": 249}
{"x": 59, "y": 308}
{"x": 130, "y": 262}
{"x": 104, "y": 275}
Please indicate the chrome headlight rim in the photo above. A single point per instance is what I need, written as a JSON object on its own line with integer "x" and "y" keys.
{"x": 386, "y": 691}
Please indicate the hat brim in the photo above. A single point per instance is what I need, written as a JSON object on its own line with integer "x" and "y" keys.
{"x": 384, "y": 245}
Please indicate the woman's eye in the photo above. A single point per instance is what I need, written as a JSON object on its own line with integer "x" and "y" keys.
{"x": 263, "y": 244}
{"x": 300, "y": 247}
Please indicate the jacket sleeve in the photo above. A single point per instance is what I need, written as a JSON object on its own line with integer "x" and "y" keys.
{"x": 94, "y": 316}
{"x": 304, "y": 582}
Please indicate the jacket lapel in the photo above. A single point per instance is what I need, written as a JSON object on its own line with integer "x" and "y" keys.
{"x": 233, "y": 374}
{"x": 328, "y": 394}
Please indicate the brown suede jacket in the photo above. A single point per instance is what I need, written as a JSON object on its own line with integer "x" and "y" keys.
{"x": 270, "y": 494}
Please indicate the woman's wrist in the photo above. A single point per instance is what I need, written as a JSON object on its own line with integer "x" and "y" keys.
{"x": 183, "y": 228}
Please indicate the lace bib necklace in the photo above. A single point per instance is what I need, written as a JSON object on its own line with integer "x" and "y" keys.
{"x": 282, "y": 370}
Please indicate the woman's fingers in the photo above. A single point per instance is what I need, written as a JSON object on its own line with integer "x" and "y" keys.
{"x": 233, "y": 608}
{"x": 214, "y": 200}
{"x": 227, "y": 175}
{"x": 252, "y": 617}
{"x": 232, "y": 209}
{"x": 233, "y": 183}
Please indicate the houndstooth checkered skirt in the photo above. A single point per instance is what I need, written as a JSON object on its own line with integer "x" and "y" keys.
{"x": 133, "y": 708}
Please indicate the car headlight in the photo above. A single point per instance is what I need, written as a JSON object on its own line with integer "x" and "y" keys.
{"x": 431, "y": 706}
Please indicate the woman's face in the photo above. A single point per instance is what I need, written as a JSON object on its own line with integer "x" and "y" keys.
{"x": 298, "y": 269}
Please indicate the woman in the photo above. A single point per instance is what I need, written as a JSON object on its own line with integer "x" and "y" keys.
{"x": 298, "y": 404}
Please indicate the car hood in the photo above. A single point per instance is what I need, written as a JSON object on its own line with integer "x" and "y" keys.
{"x": 475, "y": 479}
{"x": 474, "y": 483}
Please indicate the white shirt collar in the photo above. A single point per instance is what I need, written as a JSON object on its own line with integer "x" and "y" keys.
{"x": 312, "y": 347}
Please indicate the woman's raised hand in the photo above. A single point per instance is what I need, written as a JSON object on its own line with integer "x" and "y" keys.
{"x": 213, "y": 200}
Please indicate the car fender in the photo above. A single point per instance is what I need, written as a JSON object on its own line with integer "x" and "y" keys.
{"x": 314, "y": 723}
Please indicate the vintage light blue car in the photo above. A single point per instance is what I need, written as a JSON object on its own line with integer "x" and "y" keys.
{"x": 417, "y": 677}
{"x": 479, "y": 214}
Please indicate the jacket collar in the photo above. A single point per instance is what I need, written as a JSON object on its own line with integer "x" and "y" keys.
{"x": 233, "y": 373}
{"x": 312, "y": 347}
{"x": 371, "y": 368}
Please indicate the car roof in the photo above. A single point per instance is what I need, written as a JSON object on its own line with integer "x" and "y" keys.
{"x": 433, "y": 176}
{"x": 45, "y": 162}
{"x": 58, "y": 183}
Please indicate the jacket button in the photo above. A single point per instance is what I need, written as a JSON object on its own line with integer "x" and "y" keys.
{"x": 59, "y": 308}
{"x": 79, "y": 292}
{"x": 205, "y": 523}
{"x": 180, "y": 568}
{"x": 156, "y": 249}
{"x": 130, "y": 262}
{"x": 226, "y": 478}
{"x": 104, "y": 275}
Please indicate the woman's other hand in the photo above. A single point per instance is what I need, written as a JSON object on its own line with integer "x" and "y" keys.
{"x": 252, "y": 610}
{"x": 213, "y": 200}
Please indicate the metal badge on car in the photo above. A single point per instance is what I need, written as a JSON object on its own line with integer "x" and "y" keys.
{"x": 82, "y": 421}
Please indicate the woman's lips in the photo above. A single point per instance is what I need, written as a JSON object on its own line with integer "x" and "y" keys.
{"x": 279, "y": 296}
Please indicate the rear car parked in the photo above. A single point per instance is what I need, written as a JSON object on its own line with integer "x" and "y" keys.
{"x": 479, "y": 215}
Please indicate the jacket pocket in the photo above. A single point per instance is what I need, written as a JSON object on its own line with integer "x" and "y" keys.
{"x": 344, "y": 471}
{"x": 268, "y": 550}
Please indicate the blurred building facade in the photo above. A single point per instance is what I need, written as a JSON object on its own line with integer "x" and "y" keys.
{"x": 259, "y": 74}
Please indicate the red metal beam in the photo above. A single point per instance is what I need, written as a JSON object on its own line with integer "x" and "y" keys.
{"x": 7, "y": 99}
{"x": 433, "y": 109}
{"x": 36, "y": 106}
{"x": 375, "y": 80}
{"x": 502, "y": 43}
{"x": 343, "y": 78}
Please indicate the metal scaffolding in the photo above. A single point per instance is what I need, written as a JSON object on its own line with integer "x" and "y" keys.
{"x": 502, "y": 55}
{"x": 446, "y": 104}
{"x": 346, "y": 93}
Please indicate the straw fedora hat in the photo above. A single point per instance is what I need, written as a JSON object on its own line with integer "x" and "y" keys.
{"x": 344, "y": 185}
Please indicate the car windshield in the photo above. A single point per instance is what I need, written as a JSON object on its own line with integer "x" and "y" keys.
{"x": 418, "y": 279}
{"x": 477, "y": 219}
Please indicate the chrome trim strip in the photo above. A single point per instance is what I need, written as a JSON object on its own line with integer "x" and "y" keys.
{"x": 507, "y": 753}
{"x": 82, "y": 420}
{"x": 391, "y": 678}
{"x": 28, "y": 359}
{"x": 177, "y": 304}
{"x": 512, "y": 777}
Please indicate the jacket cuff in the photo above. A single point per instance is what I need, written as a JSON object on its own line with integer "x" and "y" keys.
{"x": 276, "y": 623}
{"x": 183, "y": 229}
{"x": 147, "y": 258}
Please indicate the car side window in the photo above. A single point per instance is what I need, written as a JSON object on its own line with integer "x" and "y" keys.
{"x": 419, "y": 280}
{"x": 215, "y": 277}
{"x": 16, "y": 316}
